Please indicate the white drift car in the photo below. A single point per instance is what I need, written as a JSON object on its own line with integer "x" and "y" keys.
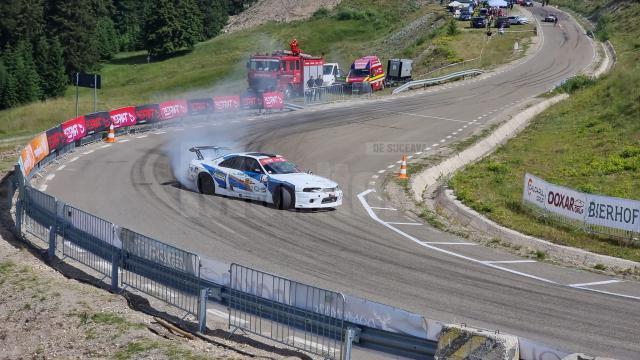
{"x": 262, "y": 177}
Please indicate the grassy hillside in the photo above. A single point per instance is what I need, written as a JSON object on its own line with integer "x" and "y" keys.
{"x": 590, "y": 142}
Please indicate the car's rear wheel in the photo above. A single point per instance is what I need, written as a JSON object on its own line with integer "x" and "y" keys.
{"x": 206, "y": 185}
{"x": 283, "y": 198}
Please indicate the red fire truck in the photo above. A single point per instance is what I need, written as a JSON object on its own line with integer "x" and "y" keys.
{"x": 283, "y": 70}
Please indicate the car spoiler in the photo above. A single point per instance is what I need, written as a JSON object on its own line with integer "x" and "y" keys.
{"x": 198, "y": 150}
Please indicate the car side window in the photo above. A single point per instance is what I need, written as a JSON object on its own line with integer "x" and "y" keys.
{"x": 231, "y": 163}
{"x": 250, "y": 164}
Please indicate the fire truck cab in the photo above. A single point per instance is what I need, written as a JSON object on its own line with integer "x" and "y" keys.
{"x": 283, "y": 70}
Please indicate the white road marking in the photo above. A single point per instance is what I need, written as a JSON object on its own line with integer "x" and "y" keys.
{"x": 509, "y": 261}
{"x": 434, "y": 145}
{"x": 61, "y": 167}
{"x": 159, "y": 132}
{"x": 383, "y": 208}
{"x": 404, "y": 223}
{"x": 391, "y": 166}
{"x": 399, "y": 161}
{"x": 613, "y": 281}
{"x": 448, "y": 137}
{"x": 443, "y": 140}
{"x": 105, "y": 146}
{"x": 199, "y": 126}
{"x": 88, "y": 152}
{"x": 465, "y": 126}
{"x": 372, "y": 183}
{"x": 49, "y": 177}
{"x": 381, "y": 171}
{"x": 74, "y": 159}
{"x": 374, "y": 176}
{"x": 410, "y": 157}
{"x": 178, "y": 129}
{"x": 141, "y": 137}
{"x": 454, "y": 133}
{"x": 375, "y": 217}
{"x": 459, "y": 130}
{"x": 425, "y": 116}
{"x": 417, "y": 153}
{"x": 448, "y": 243}
{"x": 125, "y": 140}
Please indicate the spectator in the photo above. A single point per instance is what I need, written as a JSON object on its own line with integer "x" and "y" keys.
{"x": 310, "y": 88}
{"x": 318, "y": 84}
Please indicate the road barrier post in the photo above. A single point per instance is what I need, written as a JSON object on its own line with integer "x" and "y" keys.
{"x": 19, "y": 217}
{"x": 348, "y": 343}
{"x": 115, "y": 263}
{"x": 51, "y": 253}
{"x": 202, "y": 311}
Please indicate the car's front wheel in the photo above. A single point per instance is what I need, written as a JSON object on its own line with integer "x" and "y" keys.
{"x": 283, "y": 198}
{"x": 206, "y": 185}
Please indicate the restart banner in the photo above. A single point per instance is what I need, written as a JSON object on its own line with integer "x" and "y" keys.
{"x": 27, "y": 160}
{"x": 74, "y": 129}
{"x": 148, "y": 113}
{"x": 40, "y": 147}
{"x": 123, "y": 117}
{"x": 226, "y": 103}
{"x": 55, "y": 138}
{"x": 200, "y": 106}
{"x": 173, "y": 109}
{"x": 97, "y": 122}
{"x": 250, "y": 100}
{"x": 272, "y": 100}
{"x": 592, "y": 209}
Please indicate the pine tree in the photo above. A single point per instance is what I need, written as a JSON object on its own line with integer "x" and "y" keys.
{"x": 214, "y": 16}
{"x": 106, "y": 38}
{"x": 172, "y": 25}
{"x": 24, "y": 70}
{"x": 50, "y": 65}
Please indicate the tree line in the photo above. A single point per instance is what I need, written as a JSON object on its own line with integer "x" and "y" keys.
{"x": 43, "y": 42}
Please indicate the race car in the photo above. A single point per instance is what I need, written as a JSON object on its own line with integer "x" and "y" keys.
{"x": 260, "y": 176}
{"x": 550, "y": 18}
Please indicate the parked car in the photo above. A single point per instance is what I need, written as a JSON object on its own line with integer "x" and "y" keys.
{"x": 478, "y": 22}
{"x": 550, "y": 18}
{"x": 528, "y": 3}
{"x": 465, "y": 16}
{"x": 518, "y": 20}
{"x": 502, "y": 21}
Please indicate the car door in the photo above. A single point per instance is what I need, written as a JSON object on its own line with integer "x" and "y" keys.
{"x": 255, "y": 178}
{"x": 234, "y": 177}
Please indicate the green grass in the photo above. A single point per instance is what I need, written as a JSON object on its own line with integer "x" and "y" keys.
{"x": 139, "y": 348}
{"x": 106, "y": 318}
{"x": 590, "y": 142}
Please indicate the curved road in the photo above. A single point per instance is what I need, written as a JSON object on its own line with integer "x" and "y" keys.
{"x": 132, "y": 184}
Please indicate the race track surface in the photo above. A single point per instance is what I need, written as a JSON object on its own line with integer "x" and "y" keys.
{"x": 133, "y": 184}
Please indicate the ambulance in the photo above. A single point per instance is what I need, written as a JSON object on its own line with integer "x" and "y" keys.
{"x": 367, "y": 69}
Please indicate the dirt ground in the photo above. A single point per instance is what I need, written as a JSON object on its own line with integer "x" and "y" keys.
{"x": 46, "y": 315}
{"x": 264, "y": 11}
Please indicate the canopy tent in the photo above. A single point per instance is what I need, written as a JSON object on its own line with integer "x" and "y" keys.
{"x": 454, "y": 4}
{"x": 498, "y": 3}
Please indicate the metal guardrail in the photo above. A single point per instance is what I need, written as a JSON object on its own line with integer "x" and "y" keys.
{"x": 437, "y": 80}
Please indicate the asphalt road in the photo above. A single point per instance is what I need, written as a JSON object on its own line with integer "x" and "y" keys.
{"x": 133, "y": 184}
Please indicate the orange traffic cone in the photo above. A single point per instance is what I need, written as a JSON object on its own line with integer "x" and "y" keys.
{"x": 403, "y": 168}
{"x": 111, "y": 137}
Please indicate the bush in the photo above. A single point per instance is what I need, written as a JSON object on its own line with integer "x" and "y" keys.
{"x": 603, "y": 28}
{"x": 576, "y": 83}
{"x": 352, "y": 14}
{"x": 323, "y": 12}
{"x": 452, "y": 28}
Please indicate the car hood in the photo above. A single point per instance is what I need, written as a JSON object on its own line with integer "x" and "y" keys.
{"x": 303, "y": 180}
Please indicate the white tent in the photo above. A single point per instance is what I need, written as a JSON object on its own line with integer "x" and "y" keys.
{"x": 498, "y": 3}
{"x": 454, "y": 4}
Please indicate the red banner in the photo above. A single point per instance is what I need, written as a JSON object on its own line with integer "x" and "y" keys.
{"x": 173, "y": 109}
{"x": 97, "y": 122}
{"x": 273, "y": 100}
{"x": 122, "y": 117}
{"x": 74, "y": 129}
{"x": 226, "y": 103}
{"x": 250, "y": 101}
{"x": 55, "y": 138}
{"x": 147, "y": 113}
{"x": 200, "y": 106}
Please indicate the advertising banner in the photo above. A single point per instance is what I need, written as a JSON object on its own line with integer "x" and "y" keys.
{"x": 55, "y": 138}
{"x": 173, "y": 109}
{"x": 250, "y": 100}
{"x": 97, "y": 122}
{"x": 122, "y": 117}
{"x": 200, "y": 106}
{"x": 40, "y": 147}
{"x": 226, "y": 103}
{"x": 273, "y": 100}
{"x": 566, "y": 202}
{"x": 148, "y": 113}
{"x": 613, "y": 212}
{"x": 535, "y": 190}
{"x": 27, "y": 160}
{"x": 74, "y": 129}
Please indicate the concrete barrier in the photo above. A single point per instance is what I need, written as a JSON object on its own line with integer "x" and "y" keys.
{"x": 462, "y": 343}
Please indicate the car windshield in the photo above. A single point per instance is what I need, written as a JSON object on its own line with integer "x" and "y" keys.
{"x": 327, "y": 70}
{"x": 359, "y": 72}
{"x": 279, "y": 165}
{"x": 265, "y": 65}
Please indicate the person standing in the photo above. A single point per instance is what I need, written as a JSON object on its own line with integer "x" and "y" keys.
{"x": 318, "y": 88}
{"x": 310, "y": 88}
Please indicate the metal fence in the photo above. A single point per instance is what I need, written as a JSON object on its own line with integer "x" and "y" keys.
{"x": 292, "y": 313}
{"x": 89, "y": 240}
{"x": 336, "y": 92}
{"x": 160, "y": 270}
{"x": 39, "y": 213}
